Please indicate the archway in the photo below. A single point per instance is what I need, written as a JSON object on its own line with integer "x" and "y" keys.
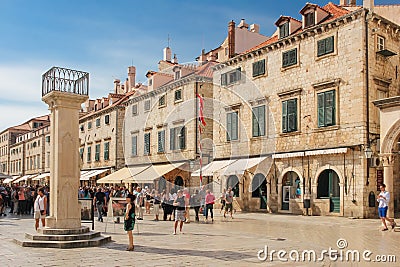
{"x": 259, "y": 189}
{"x": 329, "y": 188}
{"x": 291, "y": 188}
{"x": 233, "y": 182}
{"x": 178, "y": 183}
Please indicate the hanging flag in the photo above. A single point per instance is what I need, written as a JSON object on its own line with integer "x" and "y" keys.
{"x": 201, "y": 107}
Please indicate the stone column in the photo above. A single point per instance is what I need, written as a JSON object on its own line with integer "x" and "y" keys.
{"x": 65, "y": 212}
{"x": 388, "y": 164}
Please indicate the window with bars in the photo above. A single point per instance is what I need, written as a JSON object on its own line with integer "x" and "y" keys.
{"x": 231, "y": 77}
{"x": 134, "y": 145}
{"x": 161, "y": 141}
{"x": 97, "y": 152}
{"x": 325, "y": 46}
{"x": 134, "y": 110}
{"x": 106, "y": 150}
{"x": 284, "y": 30}
{"x": 147, "y": 105}
{"x": 232, "y": 126}
{"x": 289, "y": 115}
{"x": 161, "y": 101}
{"x": 146, "y": 144}
{"x": 178, "y": 95}
{"x": 259, "y": 68}
{"x": 258, "y": 121}
{"x": 178, "y": 138}
{"x": 326, "y": 108}
{"x": 289, "y": 58}
{"x": 89, "y": 154}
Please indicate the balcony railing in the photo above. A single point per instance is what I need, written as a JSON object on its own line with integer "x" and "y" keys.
{"x": 65, "y": 80}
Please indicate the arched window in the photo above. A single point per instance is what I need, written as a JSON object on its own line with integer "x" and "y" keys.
{"x": 233, "y": 182}
{"x": 178, "y": 183}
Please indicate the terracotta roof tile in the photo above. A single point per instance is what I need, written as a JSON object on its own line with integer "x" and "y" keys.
{"x": 206, "y": 69}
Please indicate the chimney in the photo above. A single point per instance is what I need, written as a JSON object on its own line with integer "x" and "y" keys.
{"x": 202, "y": 58}
{"x": 167, "y": 54}
{"x": 231, "y": 39}
{"x": 344, "y": 2}
{"x": 255, "y": 28}
{"x": 369, "y": 4}
{"x": 243, "y": 24}
{"x": 175, "y": 59}
{"x": 116, "y": 85}
{"x": 131, "y": 78}
{"x": 353, "y": 2}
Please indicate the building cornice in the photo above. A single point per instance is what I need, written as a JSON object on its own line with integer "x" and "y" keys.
{"x": 293, "y": 39}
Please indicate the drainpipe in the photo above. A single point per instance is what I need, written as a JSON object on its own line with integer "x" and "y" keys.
{"x": 197, "y": 118}
{"x": 367, "y": 17}
{"x": 116, "y": 138}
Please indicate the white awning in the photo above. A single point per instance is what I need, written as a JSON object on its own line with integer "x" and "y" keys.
{"x": 238, "y": 167}
{"x": 41, "y": 176}
{"x": 154, "y": 172}
{"x": 8, "y": 180}
{"x": 326, "y": 151}
{"x": 24, "y": 178}
{"x": 124, "y": 175}
{"x": 288, "y": 155}
{"x": 212, "y": 167}
{"x": 92, "y": 173}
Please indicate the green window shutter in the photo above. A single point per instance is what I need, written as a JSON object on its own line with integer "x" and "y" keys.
{"x": 321, "y": 47}
{"x": 182, "y": 137}
{"x": 134, "y": 145}
{"x": 224, "y": 79}
{"x": 255, "y": 126}
{"x": 89, "y": 154}
{"x": 261, "y": 120}
{"x": 106, "y": 150}
{"x": 284, "y": 117}
{"x": 147, "y": 143}
{"x": 329, "y": 108}
{"x": 293, "y": 57}
{"x": 228, "y": 126}
{"x": 329, "y": 45}
{"x": 234, "y": 126}
{"x": 321, "y": 109}
{"x": 172, "y": 139}
{"x": 292, "y": 115}
{"x": 161, "y": 141}
{"x": 97, "y": 153}
{"x": 285, "y": 59}
{"x": 261, "y": 67}
{"x": 255, "y": 69}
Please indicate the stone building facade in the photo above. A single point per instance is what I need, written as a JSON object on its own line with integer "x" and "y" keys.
{"x": 301, "y": 104}
{"x": 161, "y": 125}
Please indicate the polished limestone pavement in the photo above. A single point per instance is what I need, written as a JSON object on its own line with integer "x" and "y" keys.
{"x": 225, "y": 242}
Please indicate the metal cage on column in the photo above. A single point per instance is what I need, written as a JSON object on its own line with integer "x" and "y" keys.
{"x": 65, "y": 80}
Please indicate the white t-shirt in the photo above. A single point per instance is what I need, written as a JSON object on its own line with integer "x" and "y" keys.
{"x": 384, "y": 202}
{"x": 39, "y": 203}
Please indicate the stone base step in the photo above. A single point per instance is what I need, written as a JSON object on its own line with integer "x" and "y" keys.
{"x": 94, "y": 242}
{"x": 44, "y": 237}
{"x": 76, "y": 231}
{"x": 397, "y": 229}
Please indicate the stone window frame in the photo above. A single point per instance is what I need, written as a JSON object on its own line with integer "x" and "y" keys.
{"x": 260, "y": 133}
{"x": 161, "y": 137}
{"x": 380, "y": 43}
{"x": 295, "y": 65}
{"x": 177, "y": 100}
{"x": 162, "y": 104}
{"x": 135, "y": 110}
{"x": 147, "y": 145}
{"x": 231, "y": 110}
{"x": 147, "y": 105}
{"x": 335, "y": 46}
{"x": 333, "y": 84}
{"x": 258, "y": 61}
{"x": 134, "y": 152}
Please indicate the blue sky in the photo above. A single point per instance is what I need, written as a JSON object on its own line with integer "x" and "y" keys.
{"x": 105, "y": 37}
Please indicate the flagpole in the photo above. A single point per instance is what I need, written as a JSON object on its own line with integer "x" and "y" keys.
{"x": 199, "y": 144}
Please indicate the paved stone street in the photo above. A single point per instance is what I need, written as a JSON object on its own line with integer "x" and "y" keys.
{"x": 223, "y": 243}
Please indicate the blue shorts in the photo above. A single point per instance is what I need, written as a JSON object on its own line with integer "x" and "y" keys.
{"x": 382, "y": 212}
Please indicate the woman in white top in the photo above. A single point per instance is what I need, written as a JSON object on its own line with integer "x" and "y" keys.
{"x": 39, "y": 208}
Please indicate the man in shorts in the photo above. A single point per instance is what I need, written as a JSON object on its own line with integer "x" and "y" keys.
{"x": 383, "y": 199}
{"x": 228, "y": 202}
{"x": 39, "y": 208}
{"x": 180, "y": 204}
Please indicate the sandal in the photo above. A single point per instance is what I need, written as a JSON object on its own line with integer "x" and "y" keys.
{"x": 130, "y": 249}
{"x": 385, "y": 229}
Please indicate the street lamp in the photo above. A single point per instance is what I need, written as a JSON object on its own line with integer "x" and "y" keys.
{"x": 368, "y": 152}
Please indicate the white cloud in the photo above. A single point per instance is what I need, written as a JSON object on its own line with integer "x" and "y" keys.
{"x": 15, "y": 114}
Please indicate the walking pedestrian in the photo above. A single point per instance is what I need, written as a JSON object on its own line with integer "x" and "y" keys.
{"x": 187, "y": 199}
{"x": 179, "y": 203}
{"x": 129, "y": 219}
{"x": 140, "y": 202}
{"x": 100, "y": 200}
{"x": 229, "y": 202}
{"x": 195, "y": 203}
{"x": 383, "y": 199}
{"x": 39, "y": 208}
{"x": 209, "y": 200}
{"x": 156, "y": 204}
{"x": 223, "y": 201}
